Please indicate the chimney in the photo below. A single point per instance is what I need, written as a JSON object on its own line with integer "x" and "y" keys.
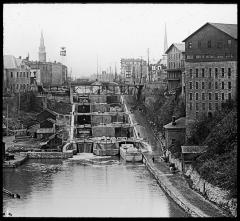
{"x": 173, "y": 120}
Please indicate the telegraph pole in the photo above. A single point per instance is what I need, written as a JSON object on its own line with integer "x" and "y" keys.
{"x": 7, "y": 118}
{"x": 141, "y": 71}
{"x": 148, "y": 66}
{"x": 97, "y": 66}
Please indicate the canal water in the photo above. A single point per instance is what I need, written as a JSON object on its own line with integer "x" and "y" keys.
{"x": 85, "y": 186}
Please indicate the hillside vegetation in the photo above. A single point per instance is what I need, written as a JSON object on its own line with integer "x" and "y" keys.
{"x": 218, "y": 165}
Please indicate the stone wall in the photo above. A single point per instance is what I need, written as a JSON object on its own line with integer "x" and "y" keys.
{"x": 48, "y": 155}
{"x": 212, "y": 193}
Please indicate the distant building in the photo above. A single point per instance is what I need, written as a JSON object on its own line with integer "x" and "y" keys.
{"x": 133, "y": 70}
{"x": 211, "y": 68}
{"x": 16, "y": 75}
{"x": 176, "y": 66}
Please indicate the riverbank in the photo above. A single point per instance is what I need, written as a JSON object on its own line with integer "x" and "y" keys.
{"x": 174, "y": 185}
{"x": 18, "y": 160}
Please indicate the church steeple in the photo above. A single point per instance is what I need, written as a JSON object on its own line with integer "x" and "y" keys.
{"x": 165, "y": 40}
{"x": 42, "y": 52}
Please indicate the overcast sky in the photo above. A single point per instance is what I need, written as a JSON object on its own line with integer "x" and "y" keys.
{"x": 107, "y": 31}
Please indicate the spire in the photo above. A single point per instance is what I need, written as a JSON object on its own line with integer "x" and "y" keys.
{"x": 165, "y": 40}
{"x": 42, "y": 52}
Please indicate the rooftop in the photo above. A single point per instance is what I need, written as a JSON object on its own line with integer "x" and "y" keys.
{"x": 229, "y": 29}
{"x": 180, "y": 123}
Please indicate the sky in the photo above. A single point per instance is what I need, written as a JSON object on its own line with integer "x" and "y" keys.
{"x": 97, "y": 36}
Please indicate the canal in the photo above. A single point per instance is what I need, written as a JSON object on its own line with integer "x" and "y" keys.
{"x": 86, "y": 186}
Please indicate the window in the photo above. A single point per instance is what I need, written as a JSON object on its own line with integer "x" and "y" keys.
{"x": 209, "y": 85}
{"x": 210, "y": 114}
{"x": 222, "y": 85}
{"x": 190, "y": 107}
{"x": 199, "y": 44}
{"x": 23, "y": 74}
{"x": 20, "y": 74}
{"x": 216, "y": 106}
{"x": 229, "y": 85}
{"x": 190, "y": 72}
{"x": 17, "y": 86}
{"x": 203, "y": 73}
{"x": 197, "y": 108}
{"x": 209, "y": 96}
{"x": 219, "y": 44}
{"x": 216, "y": 96}
{"x": 216, "y": 72}
{"x": 196, "y": 72}
{"x": 210, "y": 72}
{"x": 196, "y": 114}
{"x": 209, "y": 44}
{"x": 222, "y": 72}
{"x": 196, "y": 96}
{"x": 189, "y": 44}
{"x": 216, "y": 85}
{"x": 203, "y": 96}
{"x": 11, "y": 75}
{"x": 210, "y": 106}
{"x": 190, "y": 96}
{"x": 222, "y": 96}
{"x": 229, "y": 43}
{"x": 17, "y": 74}
{"x": 203, "y": 85}
{"x": 190, "y": 85}
{"x": 203, "y": 106}
{"x": 229, "y": 96}
{"x": 196, "y": 85}
{"x": 229, "y": 72}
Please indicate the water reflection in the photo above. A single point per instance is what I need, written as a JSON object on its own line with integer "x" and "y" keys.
{"x": 86, "y": 186}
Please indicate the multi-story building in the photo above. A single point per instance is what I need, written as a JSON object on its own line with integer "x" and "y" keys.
{"x": 16, "y": 75}
{"x": 175, "y": 66}
{"x": 211, "y": 69}
{"x": 134, "y": 70}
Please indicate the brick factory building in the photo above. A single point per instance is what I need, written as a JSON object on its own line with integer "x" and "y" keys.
{"x": 211, "y": 69}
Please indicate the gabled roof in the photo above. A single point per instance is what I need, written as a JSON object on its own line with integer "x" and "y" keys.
{"x": 179, "y": 46}
{"x": 48, "y": 110}
{"x": 229, "y": 29}
{"x": 180, "y": 123}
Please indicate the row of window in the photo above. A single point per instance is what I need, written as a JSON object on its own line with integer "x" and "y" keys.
{"x": 202, "y": 56}
{"x": 21, "y": 74}
{"x": 176, "y": 64}
{"x": 217, "y": 73}
{"x": 197, "y": 84}
{"x": 175, "y": 56}
{"x": 19, "y": 86}
{"x": 204, "y": 95}
{"x": 209, "y": 44}
{"x": 203, "y": 106}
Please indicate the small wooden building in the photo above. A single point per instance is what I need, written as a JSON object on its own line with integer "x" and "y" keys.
{"x": 45, "y": 114}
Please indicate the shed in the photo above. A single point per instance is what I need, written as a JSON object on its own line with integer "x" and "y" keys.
{"x": 43, "y": 133}
{"x": 175, "y": 131}
{"x": 45, "y": 114}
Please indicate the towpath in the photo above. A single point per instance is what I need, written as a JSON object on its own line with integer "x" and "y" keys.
{"x": 176, "y": 184}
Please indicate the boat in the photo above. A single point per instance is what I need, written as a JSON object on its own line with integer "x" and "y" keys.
{"x": 130, "y": 153}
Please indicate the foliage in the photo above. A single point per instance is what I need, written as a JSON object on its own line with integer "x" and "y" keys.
{"x": 218, "y": 164}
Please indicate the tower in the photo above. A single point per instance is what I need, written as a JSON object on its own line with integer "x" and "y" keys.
{"x": 42, "y": 52}
{"x": 165, "y": 40}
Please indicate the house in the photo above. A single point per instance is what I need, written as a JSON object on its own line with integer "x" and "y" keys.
{"x": 210, "y": 69}
{"x": 32, "y": 129}
{"x": 175, "y": 66}
{"x": 45, "y": 114}
{"x": 43, "y": 133}
{"x": 48, "y": 123}
{"x": 175, "y": 131}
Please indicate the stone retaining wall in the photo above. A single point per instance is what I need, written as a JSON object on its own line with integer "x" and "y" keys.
{"x": 169, "y": 189}
{"x": 48, "y": 155}
{"x": 212, "y": 193}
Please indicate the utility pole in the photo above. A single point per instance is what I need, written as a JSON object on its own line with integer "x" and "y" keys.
{"x": 97, "y": 66}
{"x": 7, "y": 118}
{"x": 148, "y": 66}
{"x": 141, "y": 71}
{"x": 19, "y": 97}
